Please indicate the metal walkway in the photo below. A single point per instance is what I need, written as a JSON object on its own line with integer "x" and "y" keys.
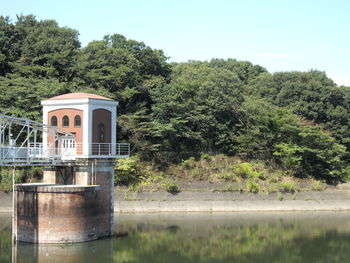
{"x": 21, "y": 144}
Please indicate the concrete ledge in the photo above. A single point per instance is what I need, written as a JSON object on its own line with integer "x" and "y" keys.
{"x": 230, "y": 206}
{"x": 53, "y": 188}
{"x": 223, "y": 206}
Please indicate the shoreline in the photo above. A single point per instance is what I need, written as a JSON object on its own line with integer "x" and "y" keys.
{"x": 204, "y": 200}
{"x": 224, "y": 206}
{"x": 210, "y": 201}
{"x": 230, "y": 206}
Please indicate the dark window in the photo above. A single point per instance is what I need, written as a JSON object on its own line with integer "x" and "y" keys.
{"x": 77, "y": 121}
{"x": 54, "y": 121}
{"x": 101, "y": 133}
{"x": 65, "y": 121}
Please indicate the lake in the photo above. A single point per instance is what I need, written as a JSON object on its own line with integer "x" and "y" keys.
{"x": 201, "y": 237}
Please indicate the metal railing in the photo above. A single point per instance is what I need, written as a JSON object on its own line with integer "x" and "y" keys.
{"x": 104, "y": 150}
{"x": 38, "y": 154}
{"x": 28, "y": 155}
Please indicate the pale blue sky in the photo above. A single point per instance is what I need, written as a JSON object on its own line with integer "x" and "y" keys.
{"x": 280, "y": 35}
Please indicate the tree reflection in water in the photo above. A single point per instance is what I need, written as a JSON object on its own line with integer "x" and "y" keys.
{"x": 240, "y": 237}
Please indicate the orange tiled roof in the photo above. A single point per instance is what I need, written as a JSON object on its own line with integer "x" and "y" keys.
{"x": 78, "y": 95}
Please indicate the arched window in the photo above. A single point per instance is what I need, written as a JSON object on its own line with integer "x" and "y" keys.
{"x": 77, "y": 121}
{"x": 101, "y": 132}
{"x": 54, "y": 121}
{"x": 65, "y": 121}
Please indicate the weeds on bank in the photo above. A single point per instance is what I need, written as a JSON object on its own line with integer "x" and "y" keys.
{"x": 252, "y": 186}
{"x": 280, "y": 196}
{"x": 289, "y": 185}
{"x": 253, "y": 176}
{"x": 317, "y": 185}
{"x": 172, "y": 187}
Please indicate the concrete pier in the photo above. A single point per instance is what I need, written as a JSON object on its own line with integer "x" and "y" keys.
{"x": 63, "y": 213}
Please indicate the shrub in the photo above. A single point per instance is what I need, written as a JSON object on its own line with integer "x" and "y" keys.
{"x": 229, "y": 177}
{"x": 313, "y": 152}
{"x": 223, "y": 176}
{"x": 272, "y": 187}
{"x": 346, "y": 174}
{"x": 136, "y": 188}
{"x": 35, "y": 174}
{"x": 21, "y": 176}
{"x": 275, "y": 177}
{"x": 280, "y": 196}
{"x": 6, "y": 180}
{"x": 172, "y": 187}
{"x": 196, "y": 173}
{"x": 127, "y": 171}
{"x": 317, "y": 185}
{"x": 213, "y": 178}
{"x": 206, "y": 157}
{"x": 245, "y": 170}
{"x": 252, "y": 186}
{"x": 288, "y": 185}
{"x": 189, "y": 163}
{"x": 290, "y": 156}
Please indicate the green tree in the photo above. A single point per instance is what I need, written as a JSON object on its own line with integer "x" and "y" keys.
{"x": 21, "y": 96}
{"x": 311, "y": 95}
{"x": 199, "y": 110}
{"x": 47, "y": 50}
{"x": 275, "y": 134}
{"x": 9, "y": 45}
{"x": 243, "y": 69}
{"x": 128, "y": 70}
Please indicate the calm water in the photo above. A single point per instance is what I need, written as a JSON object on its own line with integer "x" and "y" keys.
{"x": 235, "y": 237}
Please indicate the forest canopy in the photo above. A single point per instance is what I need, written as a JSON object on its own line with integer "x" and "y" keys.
{"x": 296, "y": 120}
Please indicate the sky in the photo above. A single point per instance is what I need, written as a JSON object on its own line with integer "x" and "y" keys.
{"x": 280, "y": 35}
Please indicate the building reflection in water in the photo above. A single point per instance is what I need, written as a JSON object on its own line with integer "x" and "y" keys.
{"x": 100, "y": 251}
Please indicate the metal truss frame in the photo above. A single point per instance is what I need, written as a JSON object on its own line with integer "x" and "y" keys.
{"x": 24, "y": 148}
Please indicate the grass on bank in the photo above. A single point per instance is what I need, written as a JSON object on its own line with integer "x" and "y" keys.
{"x": 221, "y": 173}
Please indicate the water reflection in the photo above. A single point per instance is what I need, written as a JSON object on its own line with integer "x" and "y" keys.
{"x": 240, "y": 237}
{"x": 259, "y": 237}
{"x": 97, "y": 251}
{"x": 5, "y": 238}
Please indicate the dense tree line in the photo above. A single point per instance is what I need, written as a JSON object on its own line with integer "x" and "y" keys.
{"x": 310, "y": 95}
{"x": 294, "y": 120}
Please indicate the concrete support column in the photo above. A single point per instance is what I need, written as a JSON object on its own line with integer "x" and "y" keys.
{"x": 99, "y": 172}
{"x": 58, "y": 175}
{"x": 49, "y": 176}
{"x": 47, "y": 213}
{"x": 75, "y": 203}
